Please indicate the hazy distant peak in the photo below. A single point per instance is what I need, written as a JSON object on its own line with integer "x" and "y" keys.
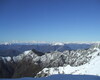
{"x": 57, "y": 43}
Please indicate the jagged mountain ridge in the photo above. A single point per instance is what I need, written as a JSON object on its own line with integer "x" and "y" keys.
{"x": 90, "y": 67}
{"x": 54, "y": 59}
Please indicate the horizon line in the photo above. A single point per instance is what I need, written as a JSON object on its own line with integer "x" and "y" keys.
{"x": 15, "y": 41}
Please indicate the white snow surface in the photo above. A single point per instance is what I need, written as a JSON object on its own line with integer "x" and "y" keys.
{"x": 6, "y": 58}
{"x": 27, "y": 54}
{"x": 57, "y": 43}
{"x": 90, "y": 68}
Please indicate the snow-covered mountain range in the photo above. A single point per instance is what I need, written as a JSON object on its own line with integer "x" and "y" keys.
{"x": 90, "y": 65}
{"x": 81, "y": 61}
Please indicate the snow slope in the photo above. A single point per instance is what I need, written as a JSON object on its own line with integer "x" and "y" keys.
{"x": 90, "y": 68}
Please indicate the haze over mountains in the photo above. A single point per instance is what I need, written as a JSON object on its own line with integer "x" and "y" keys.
{"x": 14, "y": 49}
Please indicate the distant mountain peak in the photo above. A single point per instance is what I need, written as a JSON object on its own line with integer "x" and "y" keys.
{"x": 57, "y": 43}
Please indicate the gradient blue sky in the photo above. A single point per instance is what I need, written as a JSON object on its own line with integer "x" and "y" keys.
{"x": 50, "y": 20}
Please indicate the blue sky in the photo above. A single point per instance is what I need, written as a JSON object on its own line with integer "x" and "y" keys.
{"x": 50, "y": 20}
